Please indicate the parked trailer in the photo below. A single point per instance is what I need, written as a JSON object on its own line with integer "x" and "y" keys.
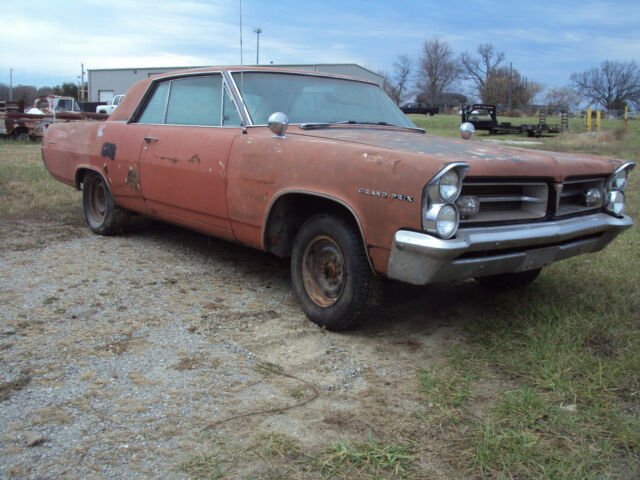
{"x": 484, "y": 117}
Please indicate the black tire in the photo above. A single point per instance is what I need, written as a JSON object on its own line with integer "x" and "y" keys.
{"x": 22, "y": 137}
{"x": 330, "y": 272}
{"x": 509, "y": 281}
{"x": 103, "y": 216}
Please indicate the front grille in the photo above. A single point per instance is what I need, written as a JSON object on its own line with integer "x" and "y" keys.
{"x": 501, "y": 202}
{"x": 504, "y": 202}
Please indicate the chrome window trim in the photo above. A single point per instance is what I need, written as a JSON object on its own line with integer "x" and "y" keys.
{"x": 170, "y": 79}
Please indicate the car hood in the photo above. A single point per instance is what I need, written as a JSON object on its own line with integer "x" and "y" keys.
{"x": 484, "y": 159}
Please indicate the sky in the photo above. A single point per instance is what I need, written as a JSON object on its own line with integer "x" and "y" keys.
{"x": 46, "y": 43}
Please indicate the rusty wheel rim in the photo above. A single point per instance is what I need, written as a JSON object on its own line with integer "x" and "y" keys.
{"x": 97, "y": 200}
{"x": 323, "y": 271}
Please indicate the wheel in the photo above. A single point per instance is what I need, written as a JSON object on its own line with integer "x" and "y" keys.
{"x": 330, "y": 272}
{"x": 103, "y": 216}
{"x": 22, "y": 137}
{"x": 509, "y": 281}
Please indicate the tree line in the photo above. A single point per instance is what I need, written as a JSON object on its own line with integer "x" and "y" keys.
{"x": 431, "y": 77}
{"x": 28, "y": 93}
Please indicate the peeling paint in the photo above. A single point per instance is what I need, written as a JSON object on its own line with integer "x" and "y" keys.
{"x": 171, "y": 159}
{"x": 133, "y": 180}
{"x": 194, "y": 159}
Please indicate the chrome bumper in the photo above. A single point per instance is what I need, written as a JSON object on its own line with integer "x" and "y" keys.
{"x": 419, "y": 258}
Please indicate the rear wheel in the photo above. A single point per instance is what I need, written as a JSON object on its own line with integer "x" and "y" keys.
{"x": 103, "y": 216}
{"x": 509, "y": 281}
{"x": 330, "y": 272}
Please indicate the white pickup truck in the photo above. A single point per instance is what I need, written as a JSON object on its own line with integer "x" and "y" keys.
{"x": 111, "y": 106}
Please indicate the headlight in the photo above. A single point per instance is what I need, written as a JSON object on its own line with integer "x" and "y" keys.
{"x": 449, "y": 186}
{"x": 447, "y": 221}
{"x": 616, "y": 183}
{"x": 618, "y": 180}
{"x": 615, "y": 203}
{"x": 439, "y": 214}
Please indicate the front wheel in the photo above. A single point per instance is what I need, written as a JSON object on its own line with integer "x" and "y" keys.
{"x": 103, "y": 216}
{"x": 330, "y": 272}
{"x": 509, "y": 281}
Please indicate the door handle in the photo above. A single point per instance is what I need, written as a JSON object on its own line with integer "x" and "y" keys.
{"x": 149, "y": 139}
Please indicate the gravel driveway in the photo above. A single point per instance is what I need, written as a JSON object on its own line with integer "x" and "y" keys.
{"x": 118, "y": 352}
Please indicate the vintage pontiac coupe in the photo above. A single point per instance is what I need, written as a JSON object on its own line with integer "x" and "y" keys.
{"x": 328, "y": 171}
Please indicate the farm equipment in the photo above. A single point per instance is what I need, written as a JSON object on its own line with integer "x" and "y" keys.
{"x": 20, "y": 125}
{"x": 484, "y": 117}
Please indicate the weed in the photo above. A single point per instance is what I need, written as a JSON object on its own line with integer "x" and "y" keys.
{"x": 366, "y": 460}
{"x": 203, "y": 465}
{"x": 444, "y": 387}
{"x": 276, "y": 445}
{"x": 267, "y": 368}
{"x": 49, "y": 300}
{"x": 7, "y": 388}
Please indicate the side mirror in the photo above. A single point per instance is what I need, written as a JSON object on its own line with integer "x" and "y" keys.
{"x": 467, "y": 130}
{"x": 278, "y": 122}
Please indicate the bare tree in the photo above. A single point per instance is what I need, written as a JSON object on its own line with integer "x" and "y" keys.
{"x": 613, "y": 84}
{"x": 396, "y": 84}
{"x": 482, "y": 68}
{"x": 561, "y": 97}
{"x": 439, "y": 68}
{"x": 505, "y": 85}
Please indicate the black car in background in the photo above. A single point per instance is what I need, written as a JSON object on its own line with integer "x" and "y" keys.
{"x": 421, "y": 108}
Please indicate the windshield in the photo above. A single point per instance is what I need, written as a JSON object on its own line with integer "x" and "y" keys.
{"x": 316, "y": 99}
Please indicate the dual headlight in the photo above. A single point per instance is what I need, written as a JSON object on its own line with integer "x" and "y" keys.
{"x": 615, "y": 186}
{"x": 439, "y": 212}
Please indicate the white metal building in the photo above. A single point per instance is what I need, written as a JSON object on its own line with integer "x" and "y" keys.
{"x": 104, "y": 84}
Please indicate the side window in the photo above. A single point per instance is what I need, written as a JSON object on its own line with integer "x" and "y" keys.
{"x": 154, "y": 109}
{"x": 195, "y": 101}
{"x": 229, "y": 113}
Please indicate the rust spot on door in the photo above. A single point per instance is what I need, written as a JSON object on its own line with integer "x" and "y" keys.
{"x": 133, "y": 180}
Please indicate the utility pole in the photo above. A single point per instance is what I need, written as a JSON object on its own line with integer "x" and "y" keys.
{"x": 510, "y": 84}
{"x": 82, "y": 83}
{"x": 257, "y": 31}
{"x": 11, "y": 84}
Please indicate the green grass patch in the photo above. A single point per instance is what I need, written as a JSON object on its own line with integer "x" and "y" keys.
{"x": 203, "y": 466}
{"x": 612, "y": 140}
{"x": 370, "y": 460}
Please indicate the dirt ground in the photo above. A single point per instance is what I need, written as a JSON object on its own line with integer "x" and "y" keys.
{"x": 120, "y": 351}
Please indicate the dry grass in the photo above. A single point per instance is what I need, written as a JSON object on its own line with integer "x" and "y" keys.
{"x": 27, "y": 190}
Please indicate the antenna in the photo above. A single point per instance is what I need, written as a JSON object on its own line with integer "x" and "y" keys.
{"x": 244, "y": 125}
{"x": 241, "y": 63}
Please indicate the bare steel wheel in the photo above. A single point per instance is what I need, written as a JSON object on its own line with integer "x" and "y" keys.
{"x": 103, "y": 216}
{"x": 323, "y": 271}
{"x": 97, "y": 199}
{"x": 330, "y": 271}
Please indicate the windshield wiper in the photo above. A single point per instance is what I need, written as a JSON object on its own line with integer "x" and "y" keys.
{"x": 311, "y": 126}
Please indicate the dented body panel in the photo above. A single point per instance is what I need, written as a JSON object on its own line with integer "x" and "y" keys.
{"x": 231, "y": 181}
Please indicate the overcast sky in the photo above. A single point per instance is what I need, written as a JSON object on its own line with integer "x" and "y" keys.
{"x": 45, "y": 41}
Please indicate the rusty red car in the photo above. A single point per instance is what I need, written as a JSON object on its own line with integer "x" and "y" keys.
{"x": 327, "y": 171}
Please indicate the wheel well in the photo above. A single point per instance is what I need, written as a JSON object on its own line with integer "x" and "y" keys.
{"x": 19, "y": 130}
{"x": 290, "y": 211}
{"x": 80, "y": 174}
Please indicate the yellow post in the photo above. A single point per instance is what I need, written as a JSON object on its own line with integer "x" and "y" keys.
{"x": 598, "y": 116}
{"x": 626, "y": 118}
{"x": 589, "y": 119}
